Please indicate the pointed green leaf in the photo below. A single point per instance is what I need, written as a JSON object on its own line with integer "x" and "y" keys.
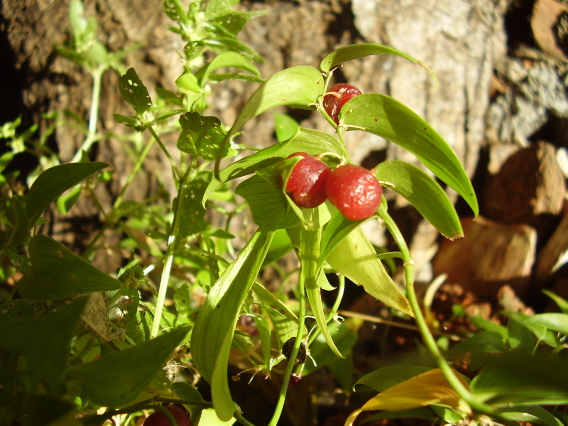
{"x": 284, "y": 321}
{"x": 423, "y": 193}
{"x": 21, "y": 230}
{"x": 356, "y": 51}
{"x": 134, "y": 92}
{"x": 356, "y": 258}
{"x": 336, "y": 229}
{"x": 309, "y": 254}
{"x": 45, "y": 341}
{"x": 201, "y": 135}
{"x": 192, "y": 213}
{"x": 215, "y": 8}
{"x": 305, "y": 140}
{"x": 552, "y": 321}
{"x": 226, "y": 60}
{"x": 266, "y": 201}
{"x": 117, "y": 378}
{"x": 387, "y": 377}
{"x": 57, "y": 272}
{"x": 187, "y": 81}
{"x": 55, "y": 181}
{"x": 388, "y": 118}
{"x": 214, "y": 328}
{"x": 284, "y": 126}
{"x": 517, "y": 378}
{"x": 297, "y": 87}
{"x": 176, "y": 11}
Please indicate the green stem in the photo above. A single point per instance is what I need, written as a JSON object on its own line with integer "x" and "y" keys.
{"x": 299, "y": 336}
{"x": 450, "y": 375}
{"x": 97, "y": 75}
{"x": 172, "y": 240}
{"x": 166, "y": 152}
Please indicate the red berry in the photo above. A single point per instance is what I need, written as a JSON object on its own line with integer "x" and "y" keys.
{"x": 158, "y": 418}
{"x": 336, "y": 98}
{"x": 306, "y": 185}
{"x": 354, "y": 191}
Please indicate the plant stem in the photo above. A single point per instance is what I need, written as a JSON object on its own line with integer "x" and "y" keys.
{"x": 97, "y": 75}
{"x": 299, "y": 335}
{"x": 427, "y": 336}
{"x": 172, "y": 237}
{"x": 166, "y": 152}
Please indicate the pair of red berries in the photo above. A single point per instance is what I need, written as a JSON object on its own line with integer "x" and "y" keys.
{"x": 352, "y": 189}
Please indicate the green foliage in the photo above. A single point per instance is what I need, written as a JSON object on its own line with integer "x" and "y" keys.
{"x": 120, "y": 347}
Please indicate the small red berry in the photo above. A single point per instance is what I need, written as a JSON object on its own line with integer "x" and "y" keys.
{"x": 354, "y": 191}
{"x": 306, "y": 185}
{"x": 336, "y": 97}
{"x": 157, "y": 418}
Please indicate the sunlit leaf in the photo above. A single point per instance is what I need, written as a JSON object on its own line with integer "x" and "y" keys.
{"x": 214, "y": 328}
{"x": 425, "y": 389}
{"x": 284, "y": 126}
{"x": 297, "y": 87}
{"x": 55, "y": 181}
{"x": 117, "y": 378}
{"x": 192, "y": 213}
{"x": 305, "y": 140}
{"x": 356, "y": 258}
{"x": 552, "y": 321}
{"x": 134, "y": 92}
{"x": 57, "y": 272}
{"x": 356, "y": 51}
{"x": 266, "y": 201}
{"x": 201, "y": 135}
{"x": 226, "y": 60}
{"x": 390, "y": 119}
{"x": 423, "y": 193}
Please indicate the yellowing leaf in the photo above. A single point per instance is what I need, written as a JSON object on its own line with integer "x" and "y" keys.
{"x": 425, "y": 389}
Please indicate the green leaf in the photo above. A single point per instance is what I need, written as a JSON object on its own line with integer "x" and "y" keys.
{"x": 356, "y": 51}
{"x": 356, "y": 258}
{"x": 523, "y": 379}
{"x": 485, "y": 341}
{"x": 266, "y": 201}
{"x": 192, "y": 213}
{"x": 117, "y": 378}
{"x": 226, "y": 60}
{"x": 134, "y": 92}
{"x": 186, "y": 392}
{"x": 214, "y": 328}
{"x": 297, "y": 87}
{"x": 284, "y": 321}
{"x": 175, "y": 10}
{"x": 542, "y": 333}
{"x": 215, "y": 8}
{"x": 66, "y": 201}
{"x": 263, "y": 328}
{"x": 423, "y": 193}
{"x": 57, "y": 272}
{"x": 45, "y": 341}
{"x": 279, "y": 247}
{"x": 561, "y": 302}
{"x": 309, "y": 254}
{"x": 187, "y": 81}
{"x": 55, "y": 181}
{"x": 126, "y": 120}
{"x": 323, "y": 354}
{"x": 388, "y": 118}
{"x": 337, "y": 228}
{"x": 387, "y": 377}
{"x": 201, "y": 135}
{"x": 284, "y": 126}
{"x": 552, "y": 321}
{"x": 21, "y": 230}
{"x": 532, "y": 415}
{"x": 305, "y": 140}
